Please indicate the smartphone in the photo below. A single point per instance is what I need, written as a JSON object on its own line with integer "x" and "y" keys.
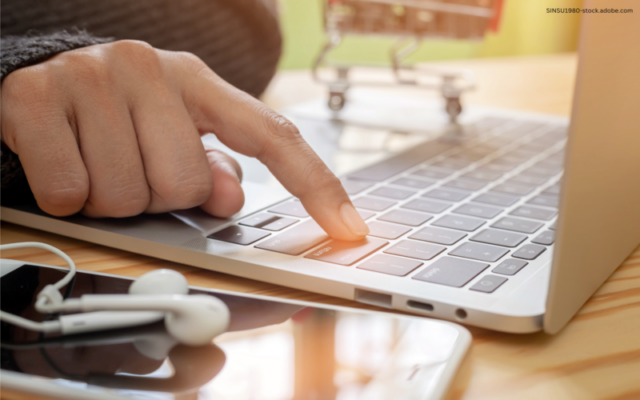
{"x": 274, "y": 349}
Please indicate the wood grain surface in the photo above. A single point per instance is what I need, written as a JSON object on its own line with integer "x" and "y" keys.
{"x": 597, "y": 356}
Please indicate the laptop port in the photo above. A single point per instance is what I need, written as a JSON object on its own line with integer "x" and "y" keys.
{"x": 373, "y": 298}
{"x": 419, "y": 306}
{"x": 461, "y": 314}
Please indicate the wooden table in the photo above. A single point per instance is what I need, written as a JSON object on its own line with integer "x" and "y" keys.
{"x": 597, "y": 356}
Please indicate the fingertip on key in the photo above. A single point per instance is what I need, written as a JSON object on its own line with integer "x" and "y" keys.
{"x": 353, "y": 220}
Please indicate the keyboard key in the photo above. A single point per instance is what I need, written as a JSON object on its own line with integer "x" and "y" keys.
{"x": 547, "y": 238}
{"x": 402, "y": 162}
{"x": 545, "y": 200}
{"x": 387, "y": 231}
{"x": 292, "y": 209}
{"x": 541, "y": 170}
{"x": 259, "y": 220}
{"x": 530, "y": 179}
{"x": 366, "y": 214}
{"x": 478, "y": 210}
{"x": 453, "y": 163}
{"x": 413, "y": 183}
{"x": 508, "y": 159}
{"x": 429, "y": 206}
{"x": 488, "y": 284}
{"x": 551, "y": 163}
{"x": 529, "y": 251}
{"x": 296, "y": 240}
{"x": 499, "y": 166}
{"x": 483, "y": 174}
{"x": 510, "y": 266}
{"x": 392, "y": 193}
{"x": 537, "y": 147}
{"x": 481, "y": 252}
{"x": 370, "y": 203}
{"x": 517, "y": 225}
{"x": 553, "y": 226}
{"x": 352, "y": 186}
{"x": 346, "y": 253}
{"x": 469, "y": 156}
{"x": 496, "y": 199}
{"x": 390, "y": 265}
{"x": 482, "y": 148}
{"x": 500, "y": 238}
{"x": 458, "y": 222}
{"x": 433, "y": 172}
{"x": 553, "y": 189}
{"x": 437, "y": 235}
{"x": 451, "y": 271}
{"x": 239, "y": 235}
{"x": 466, "y": 184}
{"x": 405, "y": 217}
{"x": 411, "y": 249}
{"x": 534, "y": 213}
{"x": 446, "y": 194}
{"x": 486, "y": 123}
{"x": 518, "y": 189}
{"x": 516, "y": 156}
{"x": 279, "y": 224}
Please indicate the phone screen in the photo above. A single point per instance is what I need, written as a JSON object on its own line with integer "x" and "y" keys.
{"x": 271, "y": 350}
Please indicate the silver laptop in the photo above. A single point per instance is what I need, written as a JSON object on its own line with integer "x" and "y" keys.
{"x": 511, "y": 225}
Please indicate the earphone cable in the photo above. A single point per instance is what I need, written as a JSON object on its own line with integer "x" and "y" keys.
{"x": 46, "y": 326}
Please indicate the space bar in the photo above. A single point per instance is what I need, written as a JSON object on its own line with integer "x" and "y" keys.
{"x": 403, "y": 161}
{"x": 296, "y": 240}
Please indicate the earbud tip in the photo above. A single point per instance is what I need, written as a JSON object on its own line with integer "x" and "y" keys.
{"x": 160, "y": 281}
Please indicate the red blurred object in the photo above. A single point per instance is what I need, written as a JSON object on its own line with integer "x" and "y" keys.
{"x": 494, "y": 24}
{"x": 303, "y": 314}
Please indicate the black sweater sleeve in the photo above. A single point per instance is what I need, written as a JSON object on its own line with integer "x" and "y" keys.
{"x": 23, "y": 51}
{"x": 18, "y": 52}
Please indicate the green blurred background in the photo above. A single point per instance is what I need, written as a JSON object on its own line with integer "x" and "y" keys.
{"x": 526, "y": 29}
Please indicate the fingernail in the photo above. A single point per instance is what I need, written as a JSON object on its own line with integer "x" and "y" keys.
{"x": 353, "y": 220}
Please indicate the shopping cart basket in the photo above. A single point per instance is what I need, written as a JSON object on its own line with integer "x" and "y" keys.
{"x": 410, "y": 22}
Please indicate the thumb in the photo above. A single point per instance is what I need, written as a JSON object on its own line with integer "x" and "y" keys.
{"x": 227, "y": 197}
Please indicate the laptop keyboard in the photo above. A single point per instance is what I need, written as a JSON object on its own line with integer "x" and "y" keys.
{"x": 442, "y": 213}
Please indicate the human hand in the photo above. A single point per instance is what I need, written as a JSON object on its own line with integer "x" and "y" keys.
{"x": 113, "y": 130}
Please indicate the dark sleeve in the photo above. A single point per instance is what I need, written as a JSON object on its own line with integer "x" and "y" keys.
{"x": 18, "y": 52}
{"x": 23, "y": 51}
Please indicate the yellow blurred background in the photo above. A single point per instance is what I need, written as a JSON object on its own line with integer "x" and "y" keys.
{"x": 526, "y": 29}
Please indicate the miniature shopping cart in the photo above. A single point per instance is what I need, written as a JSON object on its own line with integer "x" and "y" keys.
{"x": 410, "y": 21}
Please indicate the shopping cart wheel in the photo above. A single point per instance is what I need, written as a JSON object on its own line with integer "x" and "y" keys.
{"x": 454, "y": 108}
{"x": 336, "y": 101}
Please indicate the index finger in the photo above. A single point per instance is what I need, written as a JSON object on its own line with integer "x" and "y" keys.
{"x": 249, "y": 127}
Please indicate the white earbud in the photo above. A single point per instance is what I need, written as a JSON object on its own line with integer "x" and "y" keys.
{"x": 192, "y": 320}
{"x": 160, "y": 281}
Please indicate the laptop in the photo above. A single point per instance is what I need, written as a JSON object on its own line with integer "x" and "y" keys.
{"x": 510, "y": 224}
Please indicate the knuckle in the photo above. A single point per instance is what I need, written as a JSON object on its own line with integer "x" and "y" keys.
{"x": 278, "y": 127}
{"x": 65, "y": 193}
{"x": 27, "y": 86}
{"x": 188, "y": 189}
{"x": 123, "y": 201}
{"x": 194, "y": 65}
{"x": 82, "y": 68}
{"x": 281, "y": 134}
{"x": 191, "y": 60}
{"x": 132, "y": 48}
{"x": 138, "y": 56}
